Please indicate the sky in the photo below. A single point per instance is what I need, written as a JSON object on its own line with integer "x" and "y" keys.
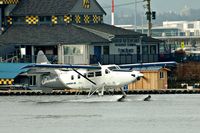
{"x": 158, "y": 5}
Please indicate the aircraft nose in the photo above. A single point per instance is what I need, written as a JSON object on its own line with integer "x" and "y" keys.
{"x": 137, "y": 75}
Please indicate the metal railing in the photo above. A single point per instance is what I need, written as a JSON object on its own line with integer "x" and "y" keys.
{"x": 113, "y": 59}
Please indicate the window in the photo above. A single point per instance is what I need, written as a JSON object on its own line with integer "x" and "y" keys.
{"x": 161, "y": 75}
{"x": 90, "y": 74}
{"x": 106, "y": 71}
{"x": 190, "y": 26}
{"x": 79, "y": 76}
{"x": 72, "y": 77}
{"x": 153, "y": 49}
{"x": 97, "y": 74}
{"x": 144, "y": 49}
{"x": 73, "y": 49}
{"x": 106, "y": 50}
{"x": 60, "y": 19}
{"x": 48, "y": 19}
{"x": 42, "y": 19}
{"x": 32, "y": 80}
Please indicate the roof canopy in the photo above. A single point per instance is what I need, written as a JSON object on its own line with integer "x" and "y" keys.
{"x": 54, "y": 7}
{"x": 48, "y": 35}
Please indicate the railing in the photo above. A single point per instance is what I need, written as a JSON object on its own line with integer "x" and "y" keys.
{"x": 123, "y": 59}
{"x": 112, "y": 59}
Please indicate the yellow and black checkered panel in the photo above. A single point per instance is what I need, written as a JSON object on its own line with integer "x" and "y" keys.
{"x": 9, "y": 20}
{"x": 77, "y": 19}
{"x": 9, "y": 1}
{"x": 54, "y": 19}
{"x": 87, "y": 19}
{"x": 6, "y": 81}
{"x": 68, "y": 18}
{"x": 97, "y": 19}
{"x": 32, "y": 19}
{"x": 86, "y": 4}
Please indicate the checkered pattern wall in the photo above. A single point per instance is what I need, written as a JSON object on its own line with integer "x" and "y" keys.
{"x": 6, "y": 81}
{"x": 87, "y": 19}
{"x": 9, "y": 20}
{"x": 54, "y": 19}
{"x": 9, "y": 1}
{"x": 86, "y": 4}
{"x": 68, "y": 18}
{"x": 32, "y": 19}
{"x": 77, "y": 19}
{"x": 97, "y": 19}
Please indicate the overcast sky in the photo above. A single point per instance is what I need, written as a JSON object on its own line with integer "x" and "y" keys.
{"x": 158, "y": 5}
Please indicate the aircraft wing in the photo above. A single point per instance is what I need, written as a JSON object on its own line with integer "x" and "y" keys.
{"x": 161, "y": 64}
{"x": 57, "y": 66}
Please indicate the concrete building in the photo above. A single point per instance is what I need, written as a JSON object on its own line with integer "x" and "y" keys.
{"x": 68, "y": 31}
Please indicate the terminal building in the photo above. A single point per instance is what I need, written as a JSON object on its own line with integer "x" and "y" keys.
{"x": 69, "y": 31}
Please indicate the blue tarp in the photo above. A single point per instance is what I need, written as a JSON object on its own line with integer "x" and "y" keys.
{"x": 11, "y": 70}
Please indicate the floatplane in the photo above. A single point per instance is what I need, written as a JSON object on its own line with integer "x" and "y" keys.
{"x": 92, "y": 78}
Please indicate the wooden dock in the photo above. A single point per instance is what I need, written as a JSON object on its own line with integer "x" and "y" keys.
{"x": 132, "y": 92}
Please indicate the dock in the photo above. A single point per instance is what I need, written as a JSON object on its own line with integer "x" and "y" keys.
{"x": 131, "y": 92}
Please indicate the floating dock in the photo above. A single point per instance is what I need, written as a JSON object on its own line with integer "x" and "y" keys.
{"x": 131, "y": 92}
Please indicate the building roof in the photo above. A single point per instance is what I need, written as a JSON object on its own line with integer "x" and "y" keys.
{"x": 150, "y": 39}
{"x": 109, "y": 29}
{"x": 53, "y": 7}
{"x": 48, "y": 35}
{"x": 11, "y": 70}
{"x": 43, "y": 7}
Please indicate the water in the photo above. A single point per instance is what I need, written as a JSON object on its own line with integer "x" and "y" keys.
{"x": 58, "y": 114}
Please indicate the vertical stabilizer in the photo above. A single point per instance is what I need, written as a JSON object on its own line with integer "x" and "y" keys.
{"x": 41, "y": 58}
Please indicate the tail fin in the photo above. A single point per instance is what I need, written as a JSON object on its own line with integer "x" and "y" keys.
{"x": 41, "y": 58}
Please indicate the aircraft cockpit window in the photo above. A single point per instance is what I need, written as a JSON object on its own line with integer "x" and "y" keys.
{"x": 98, "y": 73}
{"x": 72, "y": 77}
{"x": 90, "y": 74}
{"x": 113, "y": 68}
{"x": 107, "y": 71}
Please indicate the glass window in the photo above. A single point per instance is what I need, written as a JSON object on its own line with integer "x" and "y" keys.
{"x": 42, "y": 19}
{"x": 107, "y": 71}
{"x": 60, "y": 19}
{"x": 153, "y": 49}
{"x": 161, "y": 75}
{"x": 48, "y": 19}
{"x": 79, "y": 76}
{"x": 106, "y": 50}
{"x": 90, "y": 74}
{"x": 98, "y": 73}
{"x": 190, "y": 26}
{"x": 73, "y": 49}
{"x": 72, "y": 77}
{"x": 144, "y": 49}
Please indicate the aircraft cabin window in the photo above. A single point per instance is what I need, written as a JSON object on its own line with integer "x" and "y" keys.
{"x": 90, "y": 74}
{"x": 72, "y": 77}
{"x": 79, "y": 76}
{"x": 98, "y": 74}
{"x": 107, "y": 71}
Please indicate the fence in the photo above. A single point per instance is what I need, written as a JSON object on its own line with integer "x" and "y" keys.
{"x": 114, "y": 59}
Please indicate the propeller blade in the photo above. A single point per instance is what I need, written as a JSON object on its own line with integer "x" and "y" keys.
{"x": 84, "y": 76}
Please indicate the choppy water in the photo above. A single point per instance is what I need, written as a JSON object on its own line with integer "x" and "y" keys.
{"x": 57, "y": 114}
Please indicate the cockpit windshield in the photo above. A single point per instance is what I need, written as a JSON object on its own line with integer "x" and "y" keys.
{"x": 114, "y": 68}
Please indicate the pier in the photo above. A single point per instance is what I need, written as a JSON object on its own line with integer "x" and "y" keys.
{"x": 131, "y": 92}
